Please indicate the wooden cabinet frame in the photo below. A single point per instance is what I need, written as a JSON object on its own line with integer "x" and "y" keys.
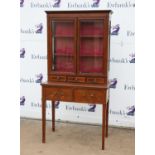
{"x": 77, "y": 86}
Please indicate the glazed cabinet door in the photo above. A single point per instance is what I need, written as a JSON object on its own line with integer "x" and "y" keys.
{"x": 91, "y": 43}
{"x": 62, "y": 46}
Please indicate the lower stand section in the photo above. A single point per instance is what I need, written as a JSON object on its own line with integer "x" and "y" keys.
{"x": 74, "y": 93}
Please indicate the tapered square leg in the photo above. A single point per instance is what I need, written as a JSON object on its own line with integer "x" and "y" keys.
{"x": 53, "y": 115}
{"x": 103, "y": 124}
{"x": 43, "y": 120}
{"x": 107, "y": 118}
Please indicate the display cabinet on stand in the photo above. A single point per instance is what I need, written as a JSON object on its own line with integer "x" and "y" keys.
{"x": 78, "y": 61}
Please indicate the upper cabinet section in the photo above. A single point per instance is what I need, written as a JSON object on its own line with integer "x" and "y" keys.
{"x": 78, "y": 43}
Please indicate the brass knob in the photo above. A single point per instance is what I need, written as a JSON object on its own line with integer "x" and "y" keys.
{"x": 92, "y": 95}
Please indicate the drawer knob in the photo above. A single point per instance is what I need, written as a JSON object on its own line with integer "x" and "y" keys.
{"x": 92, "y": 95}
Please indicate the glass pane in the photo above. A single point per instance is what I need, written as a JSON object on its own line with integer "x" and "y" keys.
{"x": 63, "y": 46}
{"x": 91, "y": 27}
{"x": 91, "y": 46}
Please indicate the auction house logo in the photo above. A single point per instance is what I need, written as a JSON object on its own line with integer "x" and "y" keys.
{"x": 85, "y": 4}
{"x": 92, "y": 107}
{"x": 131, "y": 110}
{"x": 128, "y": 87}
{"x": 22, "y": 100}
{"x": 88, "y": 108}
{"x": 115, "y": 29}
{"x": 39, "y": 78}
{"x": 120, "y": 5}
{"x": 132, "y": 58}
{"x": 39, "y": 28}
{"x": 113, "y": 83}
{"x": 45, "y": 4}
{"x": 22, "y": 52}
{"x": 38, "y": 57}
{"x": 57, "y": 105}
{"x": 21, "y": 3}
{"x": 57, "y": 3}
{"x": 96, "y": 3}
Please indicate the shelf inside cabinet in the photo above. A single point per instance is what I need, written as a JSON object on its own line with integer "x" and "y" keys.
{"x": 64, "y": 36}
{"x": 98, "y": 56}
{"x": 64, "y": 55}
{"x": 91, "y": 36}
{"x": 64, "y": 52}
{"x": 91, "y": 53}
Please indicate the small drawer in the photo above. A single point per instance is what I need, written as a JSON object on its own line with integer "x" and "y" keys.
{"x": 55, "y": 93}
{"x": 100, "y": 80}
{"x": 58, "y": 78}
{"x": 96, "y": 80}
{"x": 90, "y": 95}
{"x": 91, "y": 80}
{"x": 76, "y": 79}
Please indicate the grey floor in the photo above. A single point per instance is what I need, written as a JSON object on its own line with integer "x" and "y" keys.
{"x": 74, "y": 139}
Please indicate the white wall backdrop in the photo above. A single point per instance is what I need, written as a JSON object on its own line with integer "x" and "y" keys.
{"x": 33, "y": 59}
